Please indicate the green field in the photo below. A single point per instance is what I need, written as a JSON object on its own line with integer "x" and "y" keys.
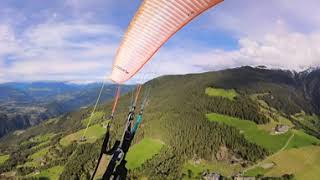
{"x": 45, "y": 143}
{"x": 273, "y": 143}
{"x": 94, "y": 119}
{"x": 230, "y": 93}
{"x": 251, "y": 131}
{"x": 3, "y": 158}
{"x": 143, "y": 151}
{"x": 256, "y": 171}
{"x": 303, "y": 162}
{"x": 94, "y": 132}
{"x": 40, "y": 153}
{"x": 51, "y": 173}
{"x": 41, "y": 139}
{"x": 34, "y": 159}
{"x": 302, "y": 139}
{"x": 222, "y": 168}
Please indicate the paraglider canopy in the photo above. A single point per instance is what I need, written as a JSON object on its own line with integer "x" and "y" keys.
{"x": 154, "y": 23}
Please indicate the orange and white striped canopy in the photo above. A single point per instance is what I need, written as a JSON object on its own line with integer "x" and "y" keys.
{"x": 154, "y": 23}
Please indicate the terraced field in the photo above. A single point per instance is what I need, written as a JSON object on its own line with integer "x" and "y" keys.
{"x": 94, "y": 132}
{"x": 3, "y": 158}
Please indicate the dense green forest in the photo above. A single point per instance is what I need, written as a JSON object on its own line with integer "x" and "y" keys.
{"x": 176, "y": 114}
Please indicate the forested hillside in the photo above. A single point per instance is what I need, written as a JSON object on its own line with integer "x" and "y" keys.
{"x": 223, "y": 122}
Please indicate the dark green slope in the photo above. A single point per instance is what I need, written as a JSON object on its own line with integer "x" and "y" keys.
{"x": 311, "y": 86}
{"x": 176, "y": 115}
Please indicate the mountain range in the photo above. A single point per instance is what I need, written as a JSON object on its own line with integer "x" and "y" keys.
{"x": 235, "y": 123}
{"x": 27, "y": 104}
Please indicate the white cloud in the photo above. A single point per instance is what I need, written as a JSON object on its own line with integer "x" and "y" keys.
{"x": 8, "y": 43}
{"x": 277, "y": 33}
{"x": 59, "y": 34}
{"x": 58, "y": 51}
{"x": 256, "y": 18}
{"x": 294, "y": 51}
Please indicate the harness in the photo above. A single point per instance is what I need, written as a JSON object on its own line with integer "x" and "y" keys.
{"x": 116, "y": 168}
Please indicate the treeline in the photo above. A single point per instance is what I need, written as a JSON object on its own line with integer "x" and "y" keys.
{"x": 81, "y": 163}
{"x": 243, "y": 107}
{"x": 57, "y": 155}
{"x": 165, "y": 165}
{"x": 285, "y": 102}
{"x": 283, "y": 177}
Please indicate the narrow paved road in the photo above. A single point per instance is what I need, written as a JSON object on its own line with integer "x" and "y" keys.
{"x": 286, "y": 145}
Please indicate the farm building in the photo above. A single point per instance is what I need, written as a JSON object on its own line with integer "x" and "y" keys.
{"x": 244, "y": 178}
{"x": 211, "y": 176}
{"x": 280, "y": 129}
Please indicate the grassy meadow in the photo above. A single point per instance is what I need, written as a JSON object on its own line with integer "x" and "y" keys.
{"x": 51, "y": 173}
{"x": 303, "y": 162}
{"x": 273, "y": 143}
{"x": 94, "y": 132}
{"x": 143, "y": 151}
{"x": 94, "y": 119}
{"x": 222, "y": 168}
{"x": 230, "y": 94}
{"x": 3, "y": 158}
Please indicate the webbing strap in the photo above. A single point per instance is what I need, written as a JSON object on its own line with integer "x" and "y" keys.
{"x": 139, "y": 117}
{"x": 136, "y": 124}
{"x": 137, "y": 95}
{"x": 115, "y": 102}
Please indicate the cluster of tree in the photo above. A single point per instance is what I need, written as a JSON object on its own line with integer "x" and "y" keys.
{"x": 307, "y": 129}
{"x": 21, "y": 153}
{"x": 243, "y": 108}
{"x": 283, "y": 103}
{"x": 17, "y": 157}
{"x": 165, "y": 165}
{"x": 284, "y": 177}
{"x": 25, "y": 170}
{"x": 82, "y": 162}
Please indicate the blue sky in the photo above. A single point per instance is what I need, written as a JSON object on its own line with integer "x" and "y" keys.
{"x": 76, "y": 40}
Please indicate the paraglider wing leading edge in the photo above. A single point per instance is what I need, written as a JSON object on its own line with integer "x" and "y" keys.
{"x": 154, "y": 23}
